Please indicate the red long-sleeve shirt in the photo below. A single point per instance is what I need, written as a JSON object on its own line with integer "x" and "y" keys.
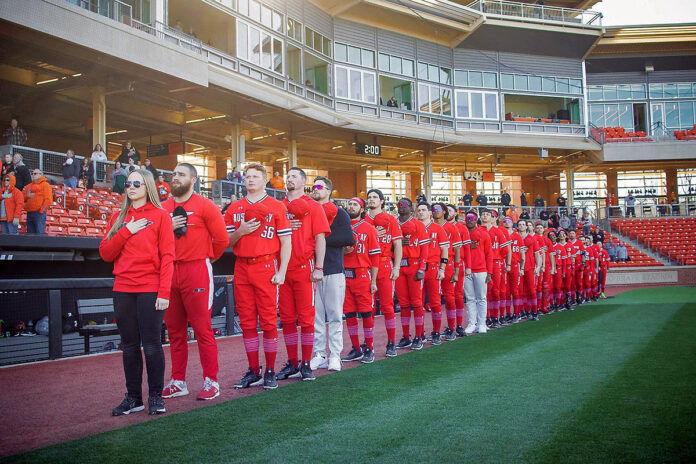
{"x": 465, "y": 241}
{"x": 304, "y": 239}
{"x": 603, "y": 258}
{"x": 144, "y": 261}
{"x": 455, "y": 240}
{"x": 366, "y": 250}
{"x": 516, "y": 243}
{"x": 206, "y": 234}
{"x": 416, "y": 248}
{"x": 578, "y": 251}
{"x": 481, "y": 252}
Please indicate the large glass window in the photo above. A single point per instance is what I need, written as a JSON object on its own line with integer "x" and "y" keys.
{"x": 686, "y": 184}
{"x": 317, "y": 42}
{"x": 354, "y": 55}
{"x": 395, "y": 65}
{"x": 355, "y": 84}
{"x": 294, "y": 30}
{"x": 262, "y": 14}
{"x": 641, "y": 183}
{"x": 316, "y": 73}
{"x": 259, "y": 47}
{"x": 432, "y": 73}
{"x": 478, "y": 105}
{"x": 549, "y": 84}
{"x": 391, "y": 183}
{"x": 482, "y": 79}
{"x": 434, "y": 99}
{"x": 677, "y": 115}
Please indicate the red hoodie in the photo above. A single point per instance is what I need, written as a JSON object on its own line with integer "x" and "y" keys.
{"x": 482, "y": 255}
{"x": 144, "y": 263}
{"x": 13, "y": 199}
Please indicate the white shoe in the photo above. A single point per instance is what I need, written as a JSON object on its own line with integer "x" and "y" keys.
{"x": 175, "y": 388}
{"x": 334, "y": 363}
{"x": 318, "y": 362}
{"x": 470, "y": 329}
{"x": 482, "y": 329}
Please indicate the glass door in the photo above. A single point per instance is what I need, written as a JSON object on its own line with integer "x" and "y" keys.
{"x": 657, "y": 123}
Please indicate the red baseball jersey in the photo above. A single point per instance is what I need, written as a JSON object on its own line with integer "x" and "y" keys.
{"x": 438, "y": 240}
{"x": 570, "y": 254}
{"x": 416, "y": 248}
{"x": 496, "y": 240}
{"x": 481, "y": 255}
{"x": 264, "y": 241}
{"x": 392, "y": 233}
{"x": 455, "y": 240}
{"x": 603, "y": 258}
{"x": 304, "y": 239}
{"x": 560, "y": 255}
{"x": 505, "y": 243}
{"x": 516, "y": 244}
{"x": 465, "y": 241}
{"x": 532, "y": 245}
{"x": 578, "y": 250}
{"x": 366, "y": 250}
{"x": 205, "y": 226}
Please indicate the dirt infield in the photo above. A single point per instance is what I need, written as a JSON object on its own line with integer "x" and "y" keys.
{"x": 56, "y": 401}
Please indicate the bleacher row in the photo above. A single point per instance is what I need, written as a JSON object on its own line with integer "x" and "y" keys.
{"x": 671, "y": 237}
{"x": 637, "y": 257}
{"x": 689, "y": 134}
{"x": 619, "y": 134}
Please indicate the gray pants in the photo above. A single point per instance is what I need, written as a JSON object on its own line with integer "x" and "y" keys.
{"x": 475, "y": 289}
{"x": 331, "y": 293}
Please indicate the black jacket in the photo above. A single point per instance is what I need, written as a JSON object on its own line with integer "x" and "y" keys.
{"x": 505, "y": 199}
{"x": 341, "y": 236}
{"x": 467, "y": 199}
{"x": 153, "y": 171}
{"x": 72, "y": 170}
{"x": 123, "y": 157}
{"x": 539, "y": 202}
{"x": 22, "y": 175}
{"x": 482, "y": 200}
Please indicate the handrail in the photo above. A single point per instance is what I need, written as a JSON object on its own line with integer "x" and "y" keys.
{"x": 597, "y": 135}
{"x": 538, "y": 13}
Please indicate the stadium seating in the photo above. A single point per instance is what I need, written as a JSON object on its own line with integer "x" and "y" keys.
{"x": 619, "y": 134}
{"x": 689, "y": 134}
{"x": 636, "y": 256}
{"x": 671, "y": 237}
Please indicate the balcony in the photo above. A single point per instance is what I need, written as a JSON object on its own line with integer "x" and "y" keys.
{"x": 525, "y": 12}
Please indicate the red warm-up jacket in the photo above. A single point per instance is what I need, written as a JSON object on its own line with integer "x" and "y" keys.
{"x": 144, "y": 261}
{"x": 482, "y": 255}
{"x": 14, "y": 200}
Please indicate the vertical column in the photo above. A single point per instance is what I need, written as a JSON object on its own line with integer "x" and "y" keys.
{"x": 671, "y": 180}
{"x": 237, "y": 146}
{"x": 99, "y": 117}
{"x": 159, "y": 12}
{"x": 292, "y": 152}
{"x": 570, "y": 183}
{"x": 428, "y": 172}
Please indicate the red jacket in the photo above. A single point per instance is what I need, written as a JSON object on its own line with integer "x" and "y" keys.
{"x": 205, "y": 226}
{"x": 13, "y": 200}
{"x": 144, "y": 263}
{"x": 481, "y": 253}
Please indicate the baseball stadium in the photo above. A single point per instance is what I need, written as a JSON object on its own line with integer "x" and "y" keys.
{"x": 376, "y": 230}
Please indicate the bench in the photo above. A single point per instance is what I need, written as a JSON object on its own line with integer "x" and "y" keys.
{"x": 101, "y": 307}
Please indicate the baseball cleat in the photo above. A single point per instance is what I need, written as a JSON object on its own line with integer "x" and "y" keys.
{"x": 391, "y": 350}
{"x": 460, "y": 331}
{"x": 404, "y": 343}
{"x": 448, "y": 335}
{"x": 289, "y": 371}
{"x": 417, "y": 344}
{"x": 306, "y": 371}
{"x": 318, "y": 362}
{"x": 155, "y": 405}
{"x": 334, "y": 363}
{"x": 250, "y": 379}
{"x": 269, "y": 380}
{"x": 175, "y": 388}
{"x": 353, "y": 355}
{"x": 368, "y": 356}
{"x": 435, "y": 338}
{"x": 127, "y": 406}
{"x": 211, "y": 389}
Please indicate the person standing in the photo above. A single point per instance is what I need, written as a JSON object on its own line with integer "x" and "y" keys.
{"x": 38, "y": 196}
{"x": 331, "y": 290}
{"x": 21, "y": 171}
{"x": 259, "y": 231}
{"x": 548, "y": 269}
{"x": 567, "y": 267}
{"x": 482, "y": 199}
{"x": 622, "y": 253}
{"x": 557, "y": 252}
{"x": 561, "y": 202}
{"x": 505, "y": 199}
{"x": 464, "y": 269}
{"x": 514, "y": 288}
{"x": 305, "y": 269}
{"x": 98, "y": 163}
{"x": 15, "y": 134}
{"x": 538, "y": 204}
{"x": 493, "y": 290}
{"x": 389, "y": 236}
{"x": 603, "y": 267}
{"x": 362, "y": 264}
{"x": 163, "y": 189}
{"x": 578, "y": 254}
{"x": 71, "y": 170}
{"x": 128, "y": 153}
{"x": 277, "y": 181}
{"x": 453, "y": 272}
{"x": 11, "y": 205}
{"x": 7, "y": 166}
{"x": 87, "y": 174}
{"x": 140, "y": 242}
{"x": 409, "y": 284}
{"x": 201, "y": 239}
{"x": 475, "y": 284}
{"x": 530, "y": 271}
{"x": 467, "y": 199}
{"x": 436, "y": 262}
{"x": 523, "y": 198}
{"x": 630, "y": 204}
{"x": 151, "y": 168}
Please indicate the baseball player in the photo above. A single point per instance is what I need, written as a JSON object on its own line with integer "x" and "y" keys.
{"x": 475, "y": 284}
{"x": 259, "y": 231}
{"x": 531, "y": 270}
{"x": 361, "y": 265}
{"x": 579, "y": 258}
{"x": 201, "y": 237}
{"x": 464, "y": 268}
{"x": 555, "y": 250}
{"x": 441, "y": 216}
{"x": 409, "y": 285}
{"x": 603, "y": 265}
{"x": 306, "y": 267}
{"x": 436, "y": 263}
{"x": 505, "y": 252}
{"x": 389, "y": 235}
{"x": 493, "y": 293}
{"x": 569, "y": 277}
{"x": 514, "y": 289}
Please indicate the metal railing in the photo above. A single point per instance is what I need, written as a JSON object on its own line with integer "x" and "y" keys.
{"x": 221, "y": 191}
{"x": 597, "y": 134}
{"x": 538, "y": 13}
{"x": 650, "y": 210}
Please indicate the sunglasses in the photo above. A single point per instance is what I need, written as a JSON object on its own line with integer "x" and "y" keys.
{"x": 471, "y": 217}
{"x": 135, "y": 183}
{"x": 437, "y": 208}
{"x": 35, "y": 173}
{"x": 318, "y": 187}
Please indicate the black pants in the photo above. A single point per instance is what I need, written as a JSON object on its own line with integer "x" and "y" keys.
{"x": 630, "y": 211}
{"x": 140, "y": 323}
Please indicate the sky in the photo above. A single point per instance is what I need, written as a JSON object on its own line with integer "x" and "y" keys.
{"x": 629, "y": 12}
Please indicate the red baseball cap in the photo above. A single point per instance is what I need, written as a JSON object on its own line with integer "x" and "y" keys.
{"x": 256, "y": 212}
{"x": 298, "y": 208}
{"x": 382, "y": 220}
{"x": 331, "y": 211}
{"x": 408, "y": 228}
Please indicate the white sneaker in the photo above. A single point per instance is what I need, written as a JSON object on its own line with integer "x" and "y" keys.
{"x": 470, "y": 329}
{"x": 175, "y": 388}
{"x": 482, "y": 329}
{"x": 318, "y": 362}
{"x": 334, "y": 363}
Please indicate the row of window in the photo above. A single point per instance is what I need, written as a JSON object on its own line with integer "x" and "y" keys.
{"x": 259, "y": 47}
{"x": 673, "y": 90}
{"x": 354, "y": 55}
{"x": 638, "y": 91}
{"x": 262, "y": 14}
{"x": 612, "y": 115}
{"x": 548, "y": 84}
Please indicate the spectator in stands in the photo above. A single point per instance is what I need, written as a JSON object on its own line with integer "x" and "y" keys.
{"x": 151, "y": 168}
{"x": 612, "y": 250}
{"x": 622, "y": 253}
{"x": 131, "y": 166}
{"x": 71, "y": 170}
{"x": 129, "y": 152}
{"x": 564, "y": 222}
{"x": 87, "y": 174}
{"x": 277, "y": 181}
{"x": 674, "y": 200}
{"x": 15, "y": 134}
{"x": 525, "y": 214}
{"x": 505, "y": 198}
{"x": 554, "y": 220}
{"x": 38, "y": 196}
{"x": 561, "y": 202}
{"x": 11, "y": 205}
{"x": 482, "y": 199}
{"x": 118, "y": 176}
{"x": 392, "y": 103}
{"x": 538, "y": 204}
{"x": 573, "y": 221}
{"x": 586, "y": 223}
{"x": 630, "y": 204}
{"x": 21, "y": 171}
{"x": 98, "y": 157}
{"x": 163, "y": 189}
{"x": 467, "y": 199}
{"x": 523, "y": 198}
{"x": 544, "y": 218}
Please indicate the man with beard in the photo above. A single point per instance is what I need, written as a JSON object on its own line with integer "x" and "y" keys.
{"x": 475, "y": 284}
{"x": 306, "y": 267}
{"x": 548, "y": 269}
{"x": 259, "y": 231}
{"x": 558, "y": 253}
{"x": 578, "y": 256}
{"x": 514, "y": 288}
{"x": 568, "y": 269}
{"x": 201, "y": 238}
{"x": 464, "y": 268}
{"x": 389, "y": 236}
{"x": 531, "y": 270}
{"x": 361, "y": 262}
{"x": 409, "y": 285}
{"x": 453, "y": 272}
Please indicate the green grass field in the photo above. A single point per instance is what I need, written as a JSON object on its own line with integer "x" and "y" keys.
{"x": 611, "y": 382}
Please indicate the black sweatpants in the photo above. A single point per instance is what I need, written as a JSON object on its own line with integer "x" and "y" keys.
{"x": 140, "y": 323}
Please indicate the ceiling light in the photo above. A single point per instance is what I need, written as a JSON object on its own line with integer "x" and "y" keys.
{"x": 47, "y": 81}
{"x": 206, "y": 119}
{"x": 337, "y": 147}
{"x": 116, "y": 132}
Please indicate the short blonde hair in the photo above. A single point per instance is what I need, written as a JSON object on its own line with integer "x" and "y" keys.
{"x": 257, "y": 167}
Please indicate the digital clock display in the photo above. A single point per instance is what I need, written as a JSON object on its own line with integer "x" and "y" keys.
{"x": 364, "y": 149}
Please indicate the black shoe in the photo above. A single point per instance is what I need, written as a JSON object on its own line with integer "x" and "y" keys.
{"x": 460, "y": 331}
{"x": 567, "y": 304}
{"x": 155, "y": 405}
{"x": 250, "y": 379}
{"x": 288, "y": 371}
{"x": 535, "y": 316}
{"x": 489, "y": 321}
{"x": 495, "y": 324}
{"x": 417, "y": 344}
{"x": 127, "y": 406}
{"x": 269, "y": 379}
{"x": 448, "y": 335}
{"x": 354, "y": 355}
{"x": 404, "y": 343}
{"x": 391, "y": 350}
{"x": 515, "y": 319}
{"x": 368, "y": 356}
{"x": 306, "y": 371}
{"x": 424, "y": 340}
{"x": 435, "y": 338}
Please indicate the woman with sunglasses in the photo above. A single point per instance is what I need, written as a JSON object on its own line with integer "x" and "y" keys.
{"x": 140, "y": 242}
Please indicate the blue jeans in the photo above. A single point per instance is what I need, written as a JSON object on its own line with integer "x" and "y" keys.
{"x": 585, "y": 230}
{"x": 70, "y": 182}
{"x": 8, "y": 227}
{"x": 36, "y": 222}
